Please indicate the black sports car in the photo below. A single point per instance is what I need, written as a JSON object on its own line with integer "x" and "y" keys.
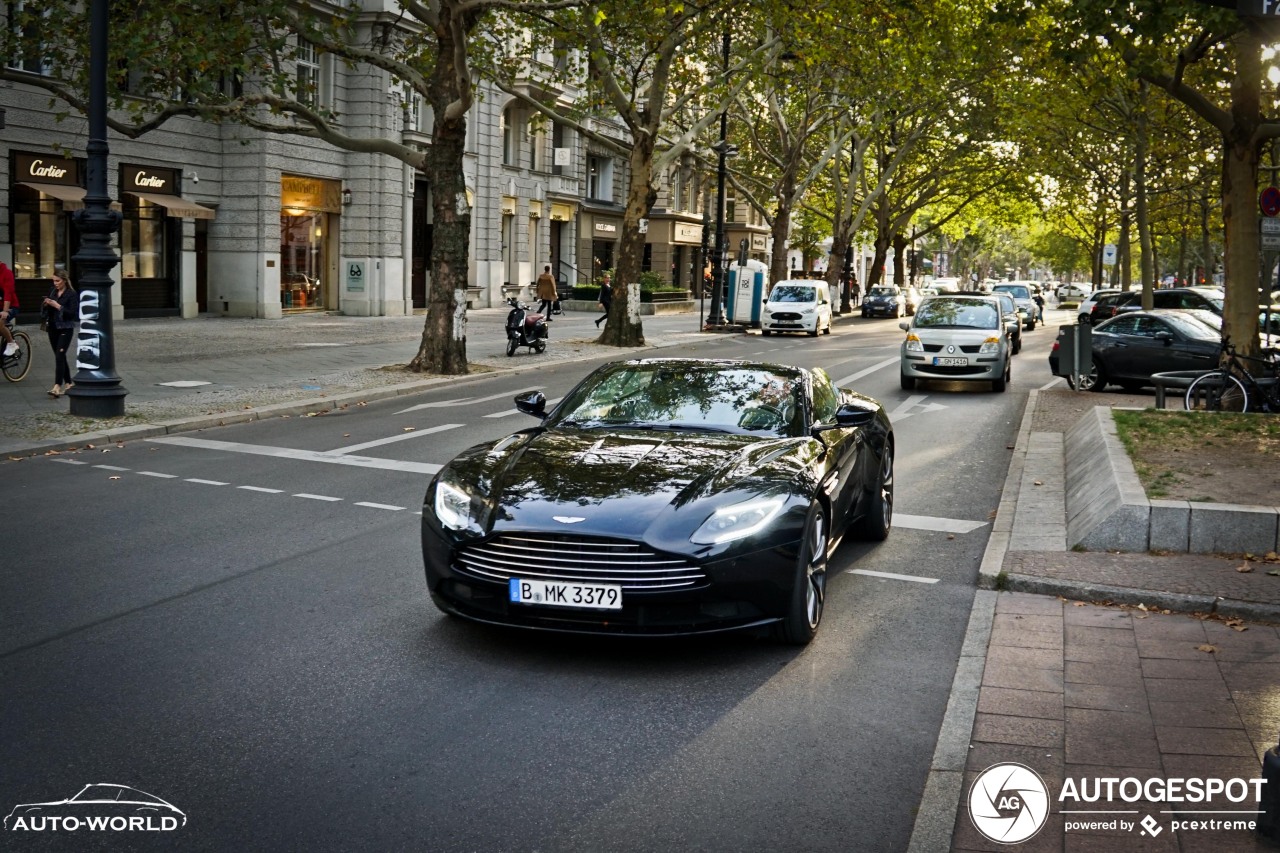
{"x": 663, "y": 497}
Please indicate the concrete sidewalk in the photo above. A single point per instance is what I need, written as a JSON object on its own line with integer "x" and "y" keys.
{"x": 242, "y": 368}
{"x": 1078, "y": 690}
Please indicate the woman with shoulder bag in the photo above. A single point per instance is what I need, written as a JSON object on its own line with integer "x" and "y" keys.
{"x": 61, "y": 310}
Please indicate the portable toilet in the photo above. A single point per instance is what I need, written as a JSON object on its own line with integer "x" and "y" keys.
{"x": 745, "y": 293}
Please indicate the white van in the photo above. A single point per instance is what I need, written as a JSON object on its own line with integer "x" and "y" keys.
{"x": 797, "y": 305}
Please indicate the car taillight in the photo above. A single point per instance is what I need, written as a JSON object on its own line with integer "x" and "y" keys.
{"x": 1055, "y": 347}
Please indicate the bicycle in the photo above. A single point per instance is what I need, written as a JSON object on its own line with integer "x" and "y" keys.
{"x": 16, "y": 367}
{"x": 1232, "y": 387}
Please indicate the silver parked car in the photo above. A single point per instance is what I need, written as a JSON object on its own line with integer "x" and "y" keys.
{"x": 957, "y": 338}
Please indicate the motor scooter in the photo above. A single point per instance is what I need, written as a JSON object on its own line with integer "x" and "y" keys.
{"x": 525, "y": 328}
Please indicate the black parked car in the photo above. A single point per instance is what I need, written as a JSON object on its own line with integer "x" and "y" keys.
{"x": 1183, "y": 298}
{"x": 1128, "y": 349}
{"x": 662, "y": 497}
{"x": 1105, "y": 307}
{"x": 884, "y": 301}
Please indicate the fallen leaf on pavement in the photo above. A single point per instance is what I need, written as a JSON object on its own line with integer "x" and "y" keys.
{"x": 1078, "y": 603}
{"x": 1237, "y": 624}
{"x": 951, "y": 536}
{"x": 1008, "y": 447}
{"x": 408, "y": 429}
{"x": 1275, "y": 574}
{"x": 346, "y": 435}
{"x": 991, "y": 514}
{"x": 51, "y": 452}
{"x": 113, "y": 478}
{"x": 1037, "y": 483}
{"x": 362, "y": 403}
{"x": 1250, "y": 557}
{"x": 1272, "y": 557}
{"x": 1244, "y": 568}
{"x": 1206, "y": 648}
{"x": 1142, "y": 606}
{"x": 1142, "y": 616}
{"x": 88, "y": 447}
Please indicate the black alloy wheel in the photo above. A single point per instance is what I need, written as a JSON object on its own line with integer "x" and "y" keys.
{"x": 878, "y": 519}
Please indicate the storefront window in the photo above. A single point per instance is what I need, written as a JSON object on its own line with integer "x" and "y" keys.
{"x": 39, "y": 234}
{"x": 143, "y": 248}
{"x": 302, "y": 257}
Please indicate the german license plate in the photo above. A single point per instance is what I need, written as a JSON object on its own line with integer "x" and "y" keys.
{"x": 596, "y": 596}
{"x": 945, "y": 361}
{"x": 787, "y": 326}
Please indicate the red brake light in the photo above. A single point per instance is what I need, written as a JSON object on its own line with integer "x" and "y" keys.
{"x": 1055, "y": 347}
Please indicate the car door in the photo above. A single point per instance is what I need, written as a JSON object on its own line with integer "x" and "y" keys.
{"x": 1147, "y": 352}
{"x": 843, "y": 448}
{"x": 1112, "y": 346}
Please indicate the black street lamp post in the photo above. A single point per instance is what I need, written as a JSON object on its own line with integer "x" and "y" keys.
{"x": 702, "y": 258}
{"x": 846, "y": 306}
{"x": 97, "y": 392}
{"x": 722, "y": 148}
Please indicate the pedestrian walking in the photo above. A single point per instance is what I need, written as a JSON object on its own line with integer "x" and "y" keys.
{"x": 605, "y": 299}
{"x": 546, "y": 289}
{"x": 61, "y": 310}
{"x": 1039, "y": 300}
{"x": 8, "y": 308}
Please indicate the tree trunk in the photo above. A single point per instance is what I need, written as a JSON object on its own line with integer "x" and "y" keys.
{"x": 781, "y": 230}
{"x": 623, "y": 328}
{"x": 1239, "y": 198}
{"x": 1122, "y": 273}
{"x": 1146, "y": 256}
{"x": 443, "y": 348}
{"x": 899, "y": 259}
{"x": 1206, "y": 242}
{"x": 877, "y": 264}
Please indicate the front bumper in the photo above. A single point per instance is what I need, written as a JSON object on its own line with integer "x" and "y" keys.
{"x": 874, "y": 309}
{"x": 980, "y": 367}
{"x": 804, "y": 323}
{"x": 742, "y": 591}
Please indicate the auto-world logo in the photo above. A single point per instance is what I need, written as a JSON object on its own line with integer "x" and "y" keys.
{"x": 98, "y": 808}
{"x": 1008, "y": 803}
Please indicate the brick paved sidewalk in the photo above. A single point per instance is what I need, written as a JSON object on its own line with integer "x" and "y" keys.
{"x": 1074, "y": 690}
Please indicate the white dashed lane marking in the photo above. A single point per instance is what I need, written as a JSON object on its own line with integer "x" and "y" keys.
{"x": 110, "y": 467}
{"x": 379, "y": 506}
{"x": 206, "y": 482}
{"x": 69, "y": 461}
{"x": 890, "y": 576}
{"x": 261, "y": 489}
{"x": 316, "y": 497}
{"x": 158, "y": 475}
{"x": 301, "y": 455}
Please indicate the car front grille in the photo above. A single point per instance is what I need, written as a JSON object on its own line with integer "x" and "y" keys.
{"x": 967, "y": 348}
{"x": 577, "y": 558}
{"x": 785, "y": 315}
{"x": 952, "y": 370}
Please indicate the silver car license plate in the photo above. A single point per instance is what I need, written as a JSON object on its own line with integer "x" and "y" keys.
{"x": 950, "y": 361}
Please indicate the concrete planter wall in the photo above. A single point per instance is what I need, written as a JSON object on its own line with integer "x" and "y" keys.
{"x": 1107, "y": 508}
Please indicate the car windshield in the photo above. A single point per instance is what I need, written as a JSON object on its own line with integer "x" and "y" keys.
{"x": 958, "y": 313}
{"x": 792, "y": 293}
{"x": 688, "y": 396}
{"x": 883, "y": 291}
{"x": 1017, "y": 291}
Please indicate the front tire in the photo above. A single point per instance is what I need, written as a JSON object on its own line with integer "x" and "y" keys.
{"x": 809, "y": 594}
{"x": 1084, "y": 320}
{"x": 512, "y": 343}
{"x": 764, "y": 333}
{"x": 908, "y": 382}
{"x": 878, "y": 519}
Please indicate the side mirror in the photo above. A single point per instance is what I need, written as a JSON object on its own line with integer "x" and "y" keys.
{"x": 1167, "y": 337}
{"x": 847, "y": 416}
{"x": 904, "y": 326}
{"x": 533, "y": 403}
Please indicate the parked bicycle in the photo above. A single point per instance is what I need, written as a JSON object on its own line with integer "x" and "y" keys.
{"x": 15, "y": 367}
{"x": 1233, "y": 387}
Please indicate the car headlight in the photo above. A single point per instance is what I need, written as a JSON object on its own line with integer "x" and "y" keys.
{"x": 913, "y": 344}
{"x": 452, "y": 506}
{"x": 990, "y": 346}
{"x": 738, "y": 521}
{"x": 808, "y": 311}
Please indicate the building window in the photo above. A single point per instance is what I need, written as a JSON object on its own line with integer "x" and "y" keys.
{"x": 600, "y": 178}
{"x": 559, "y": 141}
{"x": 646, "y": 261}
{"x": 39, "y": 234}
{"x": 27, "y": 24}
{"x": 538, "y": 144}
{"x": 312, "y": 88}
{"x": 511, "y": 132}
{"x": 143, "y": 247}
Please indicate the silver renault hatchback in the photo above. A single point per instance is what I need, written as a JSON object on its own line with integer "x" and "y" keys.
{"x": 956, "y": 338}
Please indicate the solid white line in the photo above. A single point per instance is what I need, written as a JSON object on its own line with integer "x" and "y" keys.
{"x": 854, "y": 377}
{"x": 515, "y": 411}
{"x": 439, "y": 404}
{"x": 110, "y": 467}
{"x": 316, "y": 497}
{"x": 1050, "y": 384}
{"x": 395, "y": 438}
{"x": 942, "y": 525}
{"x": 260, "y": 489}
{"x": 379, "y": 506}
{"x": 1096, "y": 811}
{"x": 205, "y": 482}
{"x": 300, "y": 455}
{"x": 68, "y": 461}
{"x": 890, "y": 576}
{"x": 156, "y": 474}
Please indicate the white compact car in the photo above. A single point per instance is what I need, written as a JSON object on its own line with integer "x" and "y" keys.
{"x": 797, "y": 305}
{"x": 957, "y": 338}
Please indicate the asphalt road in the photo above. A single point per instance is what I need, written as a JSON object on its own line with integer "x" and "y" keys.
{"x": 229, "y": 622}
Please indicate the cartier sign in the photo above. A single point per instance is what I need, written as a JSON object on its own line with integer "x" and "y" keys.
{"x": 148, "y": 179}
{"x": 43, "y": 169}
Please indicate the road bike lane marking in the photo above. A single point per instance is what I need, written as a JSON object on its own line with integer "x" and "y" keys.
{"x": 461, "y": 401}
{"x": 854, "y": 377}
{"x": 404, "y": 437}
{"x": 890, "y": 576}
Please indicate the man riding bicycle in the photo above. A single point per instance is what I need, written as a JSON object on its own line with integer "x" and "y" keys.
{"x": 8, "y": 308}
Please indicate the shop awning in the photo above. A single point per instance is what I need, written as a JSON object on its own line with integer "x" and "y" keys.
{"x": 72, "y": 198}
{"x": 177, "y": 205}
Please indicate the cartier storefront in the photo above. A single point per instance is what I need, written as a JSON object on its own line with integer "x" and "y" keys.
{"x": 44, "y": 189}
{"x": 151, "y": 239}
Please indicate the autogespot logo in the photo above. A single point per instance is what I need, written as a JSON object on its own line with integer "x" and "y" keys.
{"x": 1008, "y": 803}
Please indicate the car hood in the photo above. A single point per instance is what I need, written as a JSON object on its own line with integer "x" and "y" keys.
{"x": 618, "y": 482}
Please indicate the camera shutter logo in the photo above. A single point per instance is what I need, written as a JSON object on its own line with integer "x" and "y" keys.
{"x": 1008, "y": 803}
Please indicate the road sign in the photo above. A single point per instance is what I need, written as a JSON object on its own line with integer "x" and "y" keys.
{"x": 1258, "y": 8}
{"x": 1270, "y": 242}
{"x": 1269, "y": 201}
{"x": 1269, "y": 225}
{"x": 1109, "y": 254}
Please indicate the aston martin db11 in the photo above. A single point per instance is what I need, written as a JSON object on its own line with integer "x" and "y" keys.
{"x": 663, "y": 497}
